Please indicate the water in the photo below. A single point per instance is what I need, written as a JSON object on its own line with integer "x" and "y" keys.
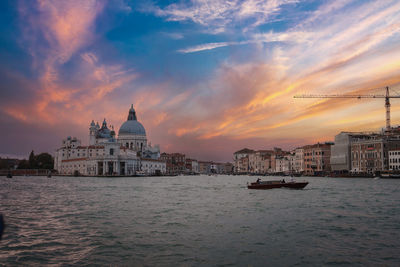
{"x": 198, "y": 221}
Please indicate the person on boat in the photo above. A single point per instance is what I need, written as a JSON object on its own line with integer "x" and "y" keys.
{"x": 258, "y": 181}
{"x": 283, "y": 181}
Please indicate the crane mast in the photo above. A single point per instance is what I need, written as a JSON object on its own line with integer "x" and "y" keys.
{"x": 387, "y": 106}
{"x": 387, "y": 97}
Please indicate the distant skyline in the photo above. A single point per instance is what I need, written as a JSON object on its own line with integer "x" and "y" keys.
{"x": 206, "y": 78}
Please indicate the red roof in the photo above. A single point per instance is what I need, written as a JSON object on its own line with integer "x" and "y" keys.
{"x": 244, "y": 150}
{"x": 154, "y": 160}
{"x": 95, "y": 146}
{"x": 77, "y": 159}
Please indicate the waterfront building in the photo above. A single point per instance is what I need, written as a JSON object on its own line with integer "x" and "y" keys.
{"x": 107, "y": 155}
{"x": 192, "y": 166}
{"x": 241, "y": 160}
{"x": 370, "y": 154}
{"x": 281, "y": 164}
{"x": 299, "y": 160}
{"x": 277, "y": 153}
{"x": 205, "y": 167}
{"x": 394, "y": 160}
{"x": 227, "y": 167}
{"x": 242, "y": 165}
{"x": 260, "y": 161}
{"x": 176, "y": 162}
{"x": 214, "y": 167}
{"x": 292, "y": 161}
{"x": 317, "y": 159}
{"x": 220, "y": 168}
{"x": 152, "y": 166}
{"x": 341, "y": 150}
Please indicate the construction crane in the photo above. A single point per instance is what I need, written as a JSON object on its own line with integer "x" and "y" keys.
{"x": 386, "y": 97}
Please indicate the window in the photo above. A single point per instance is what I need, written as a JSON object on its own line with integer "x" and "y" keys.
{"x": 111, "y": 151}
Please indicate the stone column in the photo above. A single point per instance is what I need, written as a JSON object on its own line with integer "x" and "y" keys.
{"x": 117, "y": 164}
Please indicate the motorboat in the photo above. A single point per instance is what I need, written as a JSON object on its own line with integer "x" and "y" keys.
{"x": 277, "y": 184}
{"x": 390, "y": 175}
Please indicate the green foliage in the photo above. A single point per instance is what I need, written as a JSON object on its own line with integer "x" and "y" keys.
{"x": 3, "y": 164}
{"x": 44, "y": 161}
{"x": 23, "y": 164}
{"x": 32, "y": 161}
{"x": 6, "y": 164}
{"x": 41, "y": 161}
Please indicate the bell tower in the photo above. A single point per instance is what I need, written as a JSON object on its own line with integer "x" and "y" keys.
{"x": 92, "y": 133}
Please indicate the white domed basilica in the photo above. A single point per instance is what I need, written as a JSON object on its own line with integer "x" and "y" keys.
{"x": 129, "y": 154}
{"x": 132, "y": 133}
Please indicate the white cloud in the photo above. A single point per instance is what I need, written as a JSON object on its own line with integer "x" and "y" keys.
{"x": 203, "y": 47}
{"x": 218, "y": 15}
{"x": 174, "y": 35}
{"x": 293, "y": 37}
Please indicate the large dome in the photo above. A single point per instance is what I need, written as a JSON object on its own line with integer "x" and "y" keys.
{"x": 132, "y": 127}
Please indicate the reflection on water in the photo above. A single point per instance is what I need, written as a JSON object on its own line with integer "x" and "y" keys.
{"x": 198, "y": 220}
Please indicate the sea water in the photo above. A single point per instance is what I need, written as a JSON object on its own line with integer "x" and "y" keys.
{"x": 198, "y": 221}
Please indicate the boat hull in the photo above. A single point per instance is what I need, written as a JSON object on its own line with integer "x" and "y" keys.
{"x": 291, "y": 185}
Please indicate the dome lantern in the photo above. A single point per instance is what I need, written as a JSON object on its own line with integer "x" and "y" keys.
{"x": 132, "y": 114}
{"x": 132, "y": 126}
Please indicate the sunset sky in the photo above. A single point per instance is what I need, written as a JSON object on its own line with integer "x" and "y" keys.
{"x": 206, "y": 77}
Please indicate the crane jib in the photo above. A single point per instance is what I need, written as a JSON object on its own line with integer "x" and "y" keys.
{"x": 344, "y": 96}
{"x": 387, "y": 96}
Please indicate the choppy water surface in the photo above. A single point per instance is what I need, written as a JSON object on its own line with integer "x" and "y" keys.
{"x": 198, "y": 220}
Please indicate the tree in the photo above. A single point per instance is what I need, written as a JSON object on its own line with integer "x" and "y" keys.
{"x": 44, "y": 161}
{"x": 3, "y": 164}
{"x": 41, "y": 161}
{"x": 32, "y": 160}
{"x": 23, "y": 164}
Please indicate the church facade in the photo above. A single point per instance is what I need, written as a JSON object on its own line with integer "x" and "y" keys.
{"x": 107, "y": 155}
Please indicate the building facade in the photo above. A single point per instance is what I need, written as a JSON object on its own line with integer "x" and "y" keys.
{"x": 370, "y": 154}
{"x": 394, "y": 160}
{"x": 299, "y": 160}
{"x": 341, "y": 151}
{"x": 241, "y": 160}
{"x": 317, "y": 159}
{"x": 176, "y": 162}
{"x": 126, "y": 155}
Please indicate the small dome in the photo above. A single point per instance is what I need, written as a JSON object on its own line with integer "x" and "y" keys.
{"x": 132, "y": 127}
{"x": 104, "y": 133}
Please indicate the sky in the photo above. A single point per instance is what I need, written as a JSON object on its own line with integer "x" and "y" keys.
{"x": 206, "y": 78}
